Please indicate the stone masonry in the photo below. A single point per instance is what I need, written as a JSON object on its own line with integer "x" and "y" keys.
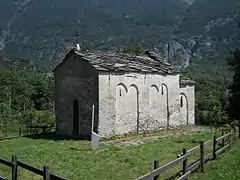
{"x": 130, "y": 93}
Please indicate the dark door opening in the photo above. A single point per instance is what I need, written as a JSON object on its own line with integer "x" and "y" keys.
{"x": 75, "y": 118}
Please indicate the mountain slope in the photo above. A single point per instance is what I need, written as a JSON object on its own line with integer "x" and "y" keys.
{"x": 186, "y": 31}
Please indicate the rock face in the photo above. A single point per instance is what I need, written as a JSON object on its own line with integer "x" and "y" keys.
{"x": 181, "y": 30}
{"x": 183, "y": 52}
{"x": 178, "y": 53}
{"x": 189, "y": 2}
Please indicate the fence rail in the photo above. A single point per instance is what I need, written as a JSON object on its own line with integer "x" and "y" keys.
{"x": 226, "y": 141}
{"x": 193, "y": 149}
{"x": 11, "y": 131}
{"x": 15, "y": 163}
{"x": 162, "y": 169}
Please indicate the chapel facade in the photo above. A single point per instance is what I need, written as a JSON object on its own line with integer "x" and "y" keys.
{"x": 130, "y": 94}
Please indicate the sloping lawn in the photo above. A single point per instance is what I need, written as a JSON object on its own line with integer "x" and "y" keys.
{"x": 75, "y": 159}
{"x": 226, "y": 167}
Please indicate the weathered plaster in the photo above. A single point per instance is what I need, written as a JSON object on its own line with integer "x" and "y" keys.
{"x": 142, "y": 105}
{"x": 75, "y": 80}
{"x": 124, "y": 102}
{"x": 188, "y": 94}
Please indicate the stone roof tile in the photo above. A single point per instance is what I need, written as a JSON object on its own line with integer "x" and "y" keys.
{"x": 186, "y": 81}
{"x": 112, "y": 61}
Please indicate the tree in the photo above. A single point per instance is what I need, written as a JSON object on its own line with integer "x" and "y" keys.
{"x": 211, "y": 95}
{"x": 24, "y": 92}
{"x": 135, "y": 49}
{"x": 42, "y": 94}
{"x": 234, "y": 98}
{"x": 216, "y": 113}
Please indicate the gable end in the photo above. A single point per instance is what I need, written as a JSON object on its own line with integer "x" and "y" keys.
{"x": 68, "y": 56}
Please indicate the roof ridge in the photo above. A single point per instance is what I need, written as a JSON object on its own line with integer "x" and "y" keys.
{"x": 112, "y": 60}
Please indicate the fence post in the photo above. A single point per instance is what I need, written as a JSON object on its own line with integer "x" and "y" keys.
{"x": 14, "y": 167}
{"x": 229, "y": 137}
{"x": 214, "y": 146}
{"x": 234, "y": 129}
{"x": 46, "y": 175}
{"x": 223, "y": 139}
{"x": 202, "y": 156}
{"x": 184, "y": 162}
{"x": 156, "y": 165}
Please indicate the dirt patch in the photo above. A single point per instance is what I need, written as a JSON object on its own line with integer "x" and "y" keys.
{"x": 144, "y": 138}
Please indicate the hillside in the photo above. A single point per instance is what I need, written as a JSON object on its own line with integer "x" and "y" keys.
{"x": 17, "y": 63}
{"x": 186, "y": 31}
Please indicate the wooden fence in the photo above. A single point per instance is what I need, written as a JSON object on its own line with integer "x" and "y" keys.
{"x": 10, "y": 131}
{"x": 187, "y": 169}
{"x": 15, "y": 163}
{"x": 225, "y": 142}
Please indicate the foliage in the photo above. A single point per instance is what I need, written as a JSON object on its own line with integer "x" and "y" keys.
{"x": 234, "y": 64}
{"x": 211, "y": 95}
{"x": 25, "y": 97}
{"x": 42, "y": 94}
{"x": 137, "y": 49}
{"x": 39, "y": 118}
{"x": 216, "y": 113}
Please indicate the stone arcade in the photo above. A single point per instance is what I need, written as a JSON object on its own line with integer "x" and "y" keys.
{"x": 130, "y": 93}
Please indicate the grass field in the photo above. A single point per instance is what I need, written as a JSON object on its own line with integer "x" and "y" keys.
{"x": 226, "y": 167}
{"x": 75, "y": 159}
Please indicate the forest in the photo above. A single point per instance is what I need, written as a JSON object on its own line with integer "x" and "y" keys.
{"x": 26, "y": 95}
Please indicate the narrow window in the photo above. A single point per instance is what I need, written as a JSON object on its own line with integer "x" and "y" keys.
{"x": 75, "y": 118}
{"x": 162, "y": 91}
{"x": 120, "y": 92}
{"x": 181, "y": 102}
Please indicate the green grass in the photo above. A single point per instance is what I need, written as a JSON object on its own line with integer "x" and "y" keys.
{"x": 75, "y": 159}
{"x": 133, "y": 136}
{"x": 9, "y": 131}
{"x": 225, "y": 167}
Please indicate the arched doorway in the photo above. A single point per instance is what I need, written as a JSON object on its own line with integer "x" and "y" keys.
{"x": 132, "y": 124}
{"x": 121, "y": 93}
{"x": 164, "y": 105}
{"x": 154, "y": 112}
{"x": 184, "y": 109}
{"x": 75, "y": 118}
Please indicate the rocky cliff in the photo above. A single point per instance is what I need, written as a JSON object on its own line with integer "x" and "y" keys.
{"x": 184, "y": 31}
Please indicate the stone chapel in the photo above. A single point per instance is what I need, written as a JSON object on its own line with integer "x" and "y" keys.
{"x": 130, "y": 94}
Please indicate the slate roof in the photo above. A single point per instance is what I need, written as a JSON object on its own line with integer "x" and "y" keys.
{"x": 185, "y": 81}
{"x": 120, "y": 62}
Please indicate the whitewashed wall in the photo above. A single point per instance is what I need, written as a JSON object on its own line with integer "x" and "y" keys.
{"x": 133, "y": 101}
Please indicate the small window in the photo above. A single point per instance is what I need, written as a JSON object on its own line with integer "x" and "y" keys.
{"x": 162, "y": 91}
{"x": 120, "y": 92}
{"x": 181, "y": 102}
